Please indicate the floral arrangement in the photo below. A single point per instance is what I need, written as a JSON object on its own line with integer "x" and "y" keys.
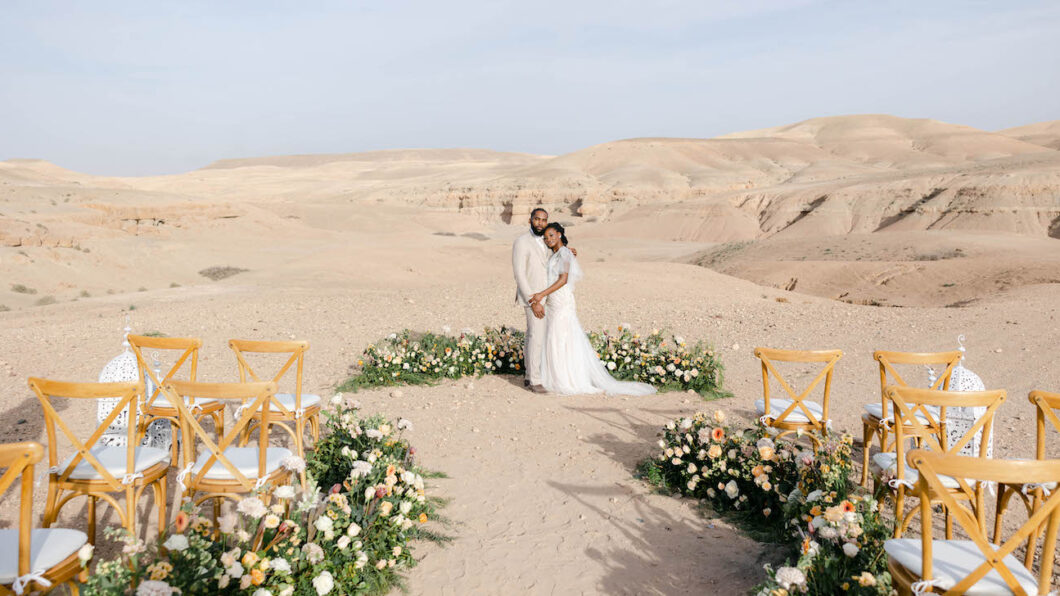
{"x": 417, "y": 358}
{"x": 354, "y": 539}
{"x": 790, "y": 493}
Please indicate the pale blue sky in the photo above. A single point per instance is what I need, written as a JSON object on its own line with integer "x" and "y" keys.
{"x": 130, "y": 88}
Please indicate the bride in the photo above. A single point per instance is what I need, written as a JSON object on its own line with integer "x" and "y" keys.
{"x": 570, "y": 364}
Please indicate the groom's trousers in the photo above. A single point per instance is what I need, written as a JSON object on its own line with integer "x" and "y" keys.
{"x": 534, "y": 349}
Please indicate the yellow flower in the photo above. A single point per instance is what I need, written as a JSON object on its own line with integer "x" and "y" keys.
{"x": 257, "y": 576}
{"x": 250, "y": 558}
{"x": 423, "y": 518}
{"x": 159, "y": 571}
{"x": 714, "y": 452}
{"x": 815, "y": 511}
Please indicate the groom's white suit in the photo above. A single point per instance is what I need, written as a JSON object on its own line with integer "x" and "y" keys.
{"x": 530, "y": 266}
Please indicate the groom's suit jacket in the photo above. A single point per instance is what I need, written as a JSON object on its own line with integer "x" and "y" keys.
{"x": 530, "y": 266}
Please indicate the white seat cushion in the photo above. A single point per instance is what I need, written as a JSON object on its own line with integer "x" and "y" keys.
{"x": 287, "y": 400}
{"x": 886, "y": 462}
{"x": 113, "y": 460}
{"x": 777, "y": 407}
{"x": 48, "y": 548}
{"x": 876, "y": 411}
{"x": 245, "y": 459}
{"x": 953, "y": 560}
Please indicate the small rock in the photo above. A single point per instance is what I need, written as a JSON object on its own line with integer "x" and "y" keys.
{"x": 475, "y": 430}
{"x": 397, "y": 393}
{"x": 735, "y": 347}
{"x": 998, "y": 350}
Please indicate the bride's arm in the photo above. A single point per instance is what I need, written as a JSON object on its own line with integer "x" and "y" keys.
{"x": 538, "y": 297}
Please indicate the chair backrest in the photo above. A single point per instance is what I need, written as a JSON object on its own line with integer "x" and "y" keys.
{"x": 889, "y": 374}
{"x": 296, "y": 350}
{"x": 188, "y": 348}
{"x": 20, "y": 459}
{"x": 826, "y": 357}
{"x": 933, "y": 465}
{"x": 128, "y": 395}
{"x": 1047, "y": 404}
{"x": 921, "y": 414}
{"x": 252, "y": 397}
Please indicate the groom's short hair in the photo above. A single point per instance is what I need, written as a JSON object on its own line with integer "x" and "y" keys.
{"x": 536, "y": 209}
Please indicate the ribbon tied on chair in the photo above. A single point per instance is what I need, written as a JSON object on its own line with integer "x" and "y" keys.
{"x": 24, "y": 581}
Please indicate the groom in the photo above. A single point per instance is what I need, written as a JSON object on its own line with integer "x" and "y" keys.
{"x": 530, "y": 266}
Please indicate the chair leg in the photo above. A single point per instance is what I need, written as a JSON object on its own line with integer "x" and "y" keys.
{"x": 174, "y": 454}
{"x": 949, "y": 524}
{"x": 130, "y": 510}
{"x": 867, "y": 433}
{"x": 74, "y": 590}
{"x": 49, "y": 508}
{"x": 899, "y": 508}
{"x": 91, "y": 520}
{"x": 999, "y": 510}
{"x": 160, "y": 502}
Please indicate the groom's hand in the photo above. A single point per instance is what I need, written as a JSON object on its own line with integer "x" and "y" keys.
{"x": 539, "y": 311}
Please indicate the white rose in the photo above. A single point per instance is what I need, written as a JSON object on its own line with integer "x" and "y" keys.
{"x": 324, "y": 524}
{"x": 323, "y": 583}
{"x": 280, "y": 564}
{"x": 84, "y": 554}
{"x": 337, "y": 399}
{"x": 343, "y": 542}
{"x": 686, "y": 423}
{"x": 353, "y": 530}
{"x": 253, "y": 507}
{"x": 731, "y": 490}
{"x": 262, "y": 592}
{"x": 177, "y": 542}
{"x": 284, "y": 492}
{"x": 850, "y": 549}
{"x": 789, "y": 577}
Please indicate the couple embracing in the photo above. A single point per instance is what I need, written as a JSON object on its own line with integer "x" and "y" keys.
{"x": 558, "y": 355}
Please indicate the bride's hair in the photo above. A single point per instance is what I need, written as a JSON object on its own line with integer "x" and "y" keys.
{"x": 558, "y": 228}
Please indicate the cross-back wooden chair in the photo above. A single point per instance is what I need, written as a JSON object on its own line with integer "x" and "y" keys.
{"x": 975, "y": 565}
{"x": 156, "y": 407}
{"x": 296, "y": 408}
{"x": 1031, "y": 494}
{"x": 878, "y": 419}
{"x": 221, "y": 469}
{"x": 98, "y": 471}
{"x": 921, "y": 415}
{"x": 33, "y": 559}
{"x": 796, "y": 413}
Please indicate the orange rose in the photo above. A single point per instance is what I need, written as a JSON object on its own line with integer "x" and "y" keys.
{"x": 257, "y": 576}
{"x": 181, "y": 523}
{"x": 423, "y": 518}
{"x": 847, "y": 506}
{"x": 717, "y": 434}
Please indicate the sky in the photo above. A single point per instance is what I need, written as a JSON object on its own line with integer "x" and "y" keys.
{"x": 143, "y": 88}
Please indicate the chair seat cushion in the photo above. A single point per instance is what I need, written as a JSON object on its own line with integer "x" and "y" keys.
{"x": 287, "y": 400}
{"x": 777, "y": 407}
{"x": 48, "y": 548}
{"x": 113, "y": 460}
{"x": 245, "y": 459}
{"x": 876, "y": 411}
{"x": 953, "y": 560}
{"x": 886, "y": 462}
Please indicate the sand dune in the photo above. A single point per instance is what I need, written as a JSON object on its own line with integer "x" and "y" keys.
{"x": 1046, "y": 134}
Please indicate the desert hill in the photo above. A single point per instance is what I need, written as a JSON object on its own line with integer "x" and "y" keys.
{"x": 1046, "y": 134}
{"x": 668, "y": 197}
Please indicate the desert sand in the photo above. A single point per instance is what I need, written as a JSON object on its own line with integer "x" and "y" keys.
{"x": 858, "y": 233}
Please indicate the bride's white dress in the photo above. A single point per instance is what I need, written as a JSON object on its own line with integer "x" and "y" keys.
{"x": 570, "y": 365}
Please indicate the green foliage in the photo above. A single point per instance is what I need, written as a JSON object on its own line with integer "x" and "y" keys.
{"x": 412, "y": 358}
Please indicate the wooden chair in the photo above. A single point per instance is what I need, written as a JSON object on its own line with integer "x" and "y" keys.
{"x": 877, "y": 419}
{"x": 975, "y": 565}
{"x": 921, "y": 415}
{"x": 157, "y": 408}
{"x": 797, "y": 414}
{"x": 33, "y": 559}
{"x": 222, "y": 470}
{"x": 297, "y": 408}
{"x": 1032, "y": 494}
{"x": 97, "y": 471}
